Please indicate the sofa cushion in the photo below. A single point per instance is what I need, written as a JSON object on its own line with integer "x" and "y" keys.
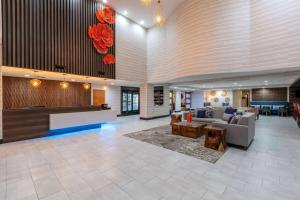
{"x": 244, "y": 120}
{"x": 218, "y": 113}
{"x": 227, "y": 117}
{"x": 235, "y": 119}
{"x": 209, "y": 113}
{"x": 201, "y": 113}
{"x": 208, "y": 120}
{"x": 230, "y": 111}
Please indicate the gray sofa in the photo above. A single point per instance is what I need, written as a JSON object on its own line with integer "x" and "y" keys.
{"x": 240, "y": 134}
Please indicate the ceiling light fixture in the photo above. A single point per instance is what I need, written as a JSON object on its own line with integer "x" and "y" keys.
{"x": 35, "y": 82}
{"x": 146, "y": 2}
{"x": 159, "y": 19}
{"x": 142, "y": 22}
{"x": 125, "y": 12}
{"x": 64, "y": 84}
{"x": 86, "y": 85}
{"x": 27, "y": 75}
{"x": 104, "y": 1}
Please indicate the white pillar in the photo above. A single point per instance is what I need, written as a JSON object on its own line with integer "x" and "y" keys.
{"x": 147, "y": 108}
{"x": 178, "y": 101}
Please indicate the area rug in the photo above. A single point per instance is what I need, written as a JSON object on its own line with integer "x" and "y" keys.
{"x": 163, "y": 137}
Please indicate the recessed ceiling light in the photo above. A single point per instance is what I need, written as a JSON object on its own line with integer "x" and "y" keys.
{"x": 27, "y": 75}
{"x": 235, "y": 83}
{"x": 112, "y": 84}
{"x": 266, "y": 81}
{"x": 125, "y": 12}
{"x": 142, "y": 22}
{"x": 73, "y": 80}
{"x": 104, "y": 1}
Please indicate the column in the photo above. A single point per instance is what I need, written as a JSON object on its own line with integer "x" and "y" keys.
{"x": 147, "y": 108}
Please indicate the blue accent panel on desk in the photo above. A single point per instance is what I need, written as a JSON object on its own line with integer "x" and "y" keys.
{"x": 74, "y": 129}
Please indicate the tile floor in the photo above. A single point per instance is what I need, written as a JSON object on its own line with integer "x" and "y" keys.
{"x": 102, "y": 164}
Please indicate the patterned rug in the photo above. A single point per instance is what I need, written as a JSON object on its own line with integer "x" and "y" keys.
{"x": 163, "y": 137}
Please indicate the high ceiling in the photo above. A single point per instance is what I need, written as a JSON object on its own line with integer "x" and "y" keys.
{"x": 137, "y": 12}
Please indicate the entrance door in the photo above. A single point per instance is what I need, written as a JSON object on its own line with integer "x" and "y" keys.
{"x": 130, "y": 101}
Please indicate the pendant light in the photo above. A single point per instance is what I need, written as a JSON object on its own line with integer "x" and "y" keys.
{"x": 86, "y": 85}
{"x": 64, "y": 84}
{"x": 146, "y": 2}
{"x": 35, "y": 82}
{"x": 159, "y": 19}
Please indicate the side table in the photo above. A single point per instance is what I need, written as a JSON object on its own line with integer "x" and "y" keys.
{"x": 215, "y": 138}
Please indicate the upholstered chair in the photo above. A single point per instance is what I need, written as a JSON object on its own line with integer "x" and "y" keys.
{"x": 266, "y": 110}
{"x": 283, "y": 111}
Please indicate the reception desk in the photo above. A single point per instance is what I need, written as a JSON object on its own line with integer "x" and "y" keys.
{"x": 77, "y": 119}
{"x": 27, "y": 123}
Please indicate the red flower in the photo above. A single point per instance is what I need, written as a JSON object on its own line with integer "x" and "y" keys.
{"x": 105, "y": 33}
{"x": 99, "y": 47}
{"x": 91, "y": 31}
{"x": 109, "y": 59}
{"x": 106, "y": 14}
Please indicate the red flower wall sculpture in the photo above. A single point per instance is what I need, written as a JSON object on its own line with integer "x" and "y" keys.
{"x": 106, "y": 15}
{"x": 109, "y": 59}
{"x": 102, "y": 34}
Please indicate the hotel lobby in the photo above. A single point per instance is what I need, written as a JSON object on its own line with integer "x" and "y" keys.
{"x": 150, "y": 99}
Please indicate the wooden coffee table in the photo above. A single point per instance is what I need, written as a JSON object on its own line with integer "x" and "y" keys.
{"x": 192, "y": 130}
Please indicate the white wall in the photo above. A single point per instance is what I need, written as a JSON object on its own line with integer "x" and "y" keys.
{"x": 213, "y": 36}
{"x": 197, "y": 99}
{"x": 131, "y": 51}
{"x": 178, "y": 101}
{"x": 221, "y": 99}
{"x": 112, "y": 96}
{"x": 148, "y": 110}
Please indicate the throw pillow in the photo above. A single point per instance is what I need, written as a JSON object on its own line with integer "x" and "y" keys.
{"x": 201, "y": 113}
{"x": 227, "y": 117}
{"x": 230, "y": 111}
{"x": 209, "y": 113}
{"x": 235, "y": 119}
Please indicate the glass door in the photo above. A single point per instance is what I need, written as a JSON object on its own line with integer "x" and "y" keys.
{"x": 135, "y": 105}
{"x": 124, "y": 101}
{"x": 130, "y": 101}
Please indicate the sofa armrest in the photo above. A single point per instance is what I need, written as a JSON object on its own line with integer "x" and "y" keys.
{"x": 236, "y": 134}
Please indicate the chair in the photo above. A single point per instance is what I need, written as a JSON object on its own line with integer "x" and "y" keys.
{"x": 266, "y": 110}
{"x": 283, "y": 111}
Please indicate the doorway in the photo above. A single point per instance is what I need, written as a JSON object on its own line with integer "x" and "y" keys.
{"x": 130, "y": 101}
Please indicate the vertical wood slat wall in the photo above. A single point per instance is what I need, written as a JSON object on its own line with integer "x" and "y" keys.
{"x": 43, "y": 34}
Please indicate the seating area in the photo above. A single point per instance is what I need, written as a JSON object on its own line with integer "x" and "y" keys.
{"x": 271, "y": 107}
{"x": 239, "y": 125}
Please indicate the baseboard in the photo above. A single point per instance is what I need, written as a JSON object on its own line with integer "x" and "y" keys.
{"x": 157, "y": 117}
